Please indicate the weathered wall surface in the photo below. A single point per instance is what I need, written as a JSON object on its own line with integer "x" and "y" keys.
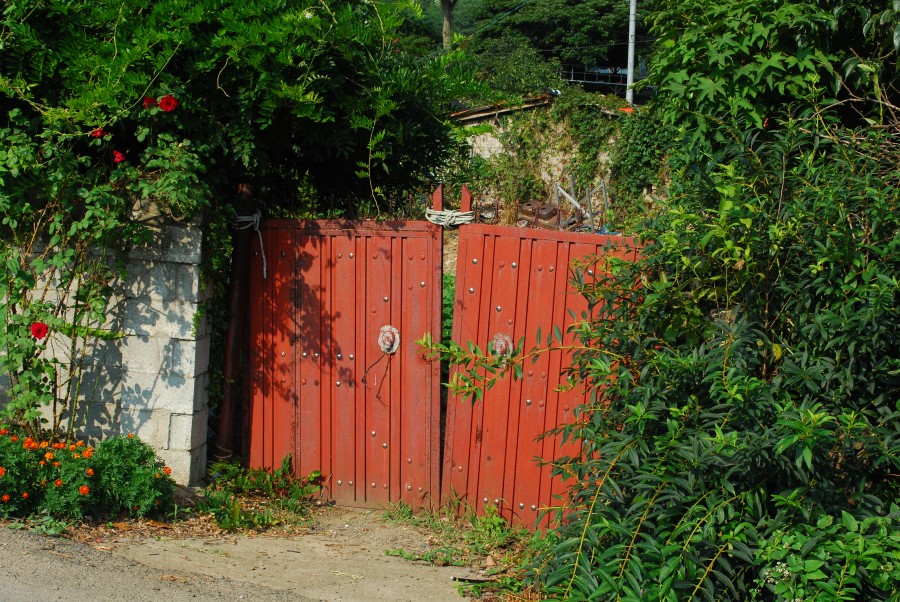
{"x": 153, "y": 380}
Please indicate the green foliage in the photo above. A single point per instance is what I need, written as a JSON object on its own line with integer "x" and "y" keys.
{"x": 448, "y": 292}
{"x": 741, "y": 62}
{"x": 111, "y": 111}
{"x": 259, "y": 499}
{"x": 131, "y": 478}
{"x": 582, "y": 33}
{"x": 752, "y": 350}
{"x": 637, "y": 164}
{"x": 67, "y": 480}
{"x": 511, "y": 68}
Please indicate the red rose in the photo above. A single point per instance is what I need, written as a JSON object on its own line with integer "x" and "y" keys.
{"x": 149, "y": 101}
{"x": 39, "y": 330}
{"x": 168, "y": 103}
{"x": 118, "y": 157}
{"x": 98, "y": 133}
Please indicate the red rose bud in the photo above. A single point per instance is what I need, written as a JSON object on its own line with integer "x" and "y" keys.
{"x": 118, "y": 157}
{"x": 149, "y": 101}
{"x": 39, "y": 330}
{"x": 168, "y": 103}
{"x": 98, "y": 133}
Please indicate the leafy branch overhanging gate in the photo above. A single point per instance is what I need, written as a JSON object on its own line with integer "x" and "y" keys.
{"x": 327, "y": 387}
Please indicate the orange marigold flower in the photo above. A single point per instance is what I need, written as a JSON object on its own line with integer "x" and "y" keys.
{"x": 167, "y": 470}
{"x": 72, "y": 447}
{"x": 58, "y": 482}
{"x": 2, "y": 471}
{"x": 42, "y": 463}
{"x": 84, "y": 490}
{"x": 24, "y": 495}
{"x": 59, "y": 446}
{"x": 48, "y": 456}
{"x": 131, "y": 435}
{"x": 3, "y": 431}
{"x": 5, "y": 498}
{"x": 28, "y": 441}
{"x": 13, "y": 438}
{"x": 43, "y": 482}
{"x": 158, "y": 475}
{"x": 87, "y": 453}
{"x": 56, "y": 463}
{"x": 76, "y": 455}
{"x": 89, "y": 472}
{"x": 79, "y": 444}
{"x": 44, "y": 444}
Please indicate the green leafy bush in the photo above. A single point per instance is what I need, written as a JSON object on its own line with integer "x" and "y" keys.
{"x": 68, "y": 479}
{"x": 754, "y": 402}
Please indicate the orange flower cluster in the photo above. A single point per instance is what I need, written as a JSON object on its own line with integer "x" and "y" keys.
{"x": 50, "y": 454}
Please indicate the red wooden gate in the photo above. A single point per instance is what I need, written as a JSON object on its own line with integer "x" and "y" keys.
{"x": 325, "y": 296}
{"x": 513, "y": 282}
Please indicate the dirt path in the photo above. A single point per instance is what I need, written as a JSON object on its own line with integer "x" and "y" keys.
{"x": 341, "y": 558}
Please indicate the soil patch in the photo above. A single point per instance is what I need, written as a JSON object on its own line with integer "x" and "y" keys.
{"x": 341, "y": 556}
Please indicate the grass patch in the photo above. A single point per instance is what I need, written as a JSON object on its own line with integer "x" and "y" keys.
{"x": 487, "y": 543}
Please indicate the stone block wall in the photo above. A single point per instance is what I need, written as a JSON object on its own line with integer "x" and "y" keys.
{"x": 153, "y": 381}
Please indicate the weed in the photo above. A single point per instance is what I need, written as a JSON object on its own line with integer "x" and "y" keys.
{"x": 470, "y": 541}
{"x": 241, "y": 498}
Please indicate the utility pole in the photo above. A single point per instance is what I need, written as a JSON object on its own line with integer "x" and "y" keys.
{"x": 632, "y": 34}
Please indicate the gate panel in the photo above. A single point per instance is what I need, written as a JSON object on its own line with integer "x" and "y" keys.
{"x": 322, "y": 388}
{"x": 515, "y": 282}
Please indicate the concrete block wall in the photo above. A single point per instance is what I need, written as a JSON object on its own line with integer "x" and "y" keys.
{"x": 157, "y": 376}
{"x": 153, "y": 381}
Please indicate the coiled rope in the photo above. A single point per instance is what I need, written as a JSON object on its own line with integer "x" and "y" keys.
{"x": 449, "y": 218}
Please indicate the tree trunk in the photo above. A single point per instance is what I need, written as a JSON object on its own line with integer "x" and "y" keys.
{"x": 447, "y": 29}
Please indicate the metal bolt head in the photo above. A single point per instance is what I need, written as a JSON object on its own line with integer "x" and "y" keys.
{"x": 351, "y": 255}
{"x": 475, "y": 262}
{"x": 337, "y": 384}
{"x": 521, "y": 506}
{"x": 533, "y": 507}
{"x": 316, "y": 354}
{"x": 528, "y": 402}
{"x": 373, "y": 485}
{"x": 385, "y": 299}
{"x": 282, "y": 354}
{"x": 339, "y": 356}
{"x": 409, "y": 487}
{"x": 514, "y": 264}
{"x": 496, "y": 502}
{"x": 409, "y": 460}
{"x": 384, "y": 445}
{"x": 373, "y": 433}
{"x": 499, "y": 309}
{"x": 339, "y": 482}
{"x": 350, "y": 483}
{"x": 350, "y": 357}
{"x": 422, "y": 284}
{"x": 471, "y": 291}
{"x": 305, "y": 354}
{"x": 485, "y": 500}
